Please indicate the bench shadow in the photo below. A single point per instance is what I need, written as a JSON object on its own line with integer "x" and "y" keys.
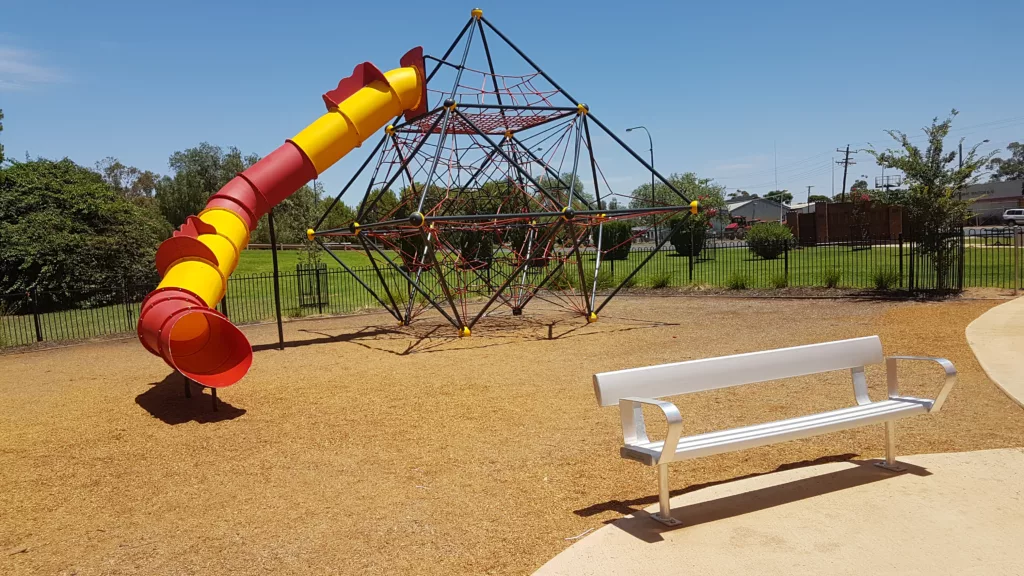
{"x": 643, "y": 527}
{"x": 166, "y": 401}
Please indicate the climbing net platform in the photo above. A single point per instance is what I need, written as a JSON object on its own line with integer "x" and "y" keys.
{"x": 494, "y": 197}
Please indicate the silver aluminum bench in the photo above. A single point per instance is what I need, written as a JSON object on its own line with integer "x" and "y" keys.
{"x": 632, "y": 388}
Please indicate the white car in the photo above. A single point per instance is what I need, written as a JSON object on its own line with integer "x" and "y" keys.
{"x": 1014, "y": 216}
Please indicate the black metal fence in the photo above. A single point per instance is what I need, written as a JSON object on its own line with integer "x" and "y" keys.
{"x": 988, "y": 257}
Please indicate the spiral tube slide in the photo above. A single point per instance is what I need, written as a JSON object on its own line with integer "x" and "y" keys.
{"x": 178, "y": 321}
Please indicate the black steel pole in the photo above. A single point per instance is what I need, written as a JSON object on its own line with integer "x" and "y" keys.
{"x": 277, "y": 287}
{"x": 358, "y": 279}
{"x": 637, "y": 156}
{"x": 643, "y": 263}
{"x": 416, "y": 286}
{"x": 351, "y": 180}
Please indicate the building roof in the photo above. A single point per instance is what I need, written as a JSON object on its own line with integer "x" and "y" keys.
{"x": 736, "y": 205}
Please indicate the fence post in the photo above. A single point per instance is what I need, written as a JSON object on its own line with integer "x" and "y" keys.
{"x": 900, "y": 238}
{"x": 785, "y": 261}
{"x": 32, "y": 296}
{"x": 224, "y": 305}
{"x": 319, "y": 301}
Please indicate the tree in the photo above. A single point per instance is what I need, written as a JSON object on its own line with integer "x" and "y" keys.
{"x": 710, "y": 195}
{"x": 1011, "y": 168}
{"x": 818, "y": 198}
{"x": 741, "y": 195}
{"x": 859, "y": 185}
{"x": 67, "y": 232}
{"x": 780, "y": 196}
{"x": 198, "y": 173}
{"x": 934, "y": 180}
{"x": 128, "y": 181}
{"x": 581, "y": 199}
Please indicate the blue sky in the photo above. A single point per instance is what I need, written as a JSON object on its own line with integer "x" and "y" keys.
{"x": 719, "y": 84}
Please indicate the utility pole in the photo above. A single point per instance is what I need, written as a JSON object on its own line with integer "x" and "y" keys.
{"x": 846, "y": 163}
{"x": 809, "y": 194}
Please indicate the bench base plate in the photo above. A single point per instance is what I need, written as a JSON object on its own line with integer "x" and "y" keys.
{"x": 894, "y": 467}
{"x": 670, "y": 521}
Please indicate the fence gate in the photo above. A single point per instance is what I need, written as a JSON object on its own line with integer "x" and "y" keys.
{"x": 312, "y": 285}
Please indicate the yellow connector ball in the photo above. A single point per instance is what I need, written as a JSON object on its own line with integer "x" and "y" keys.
{"x": 477, "y": 13}
{"x": 592, "y": 318}
{"x": 464, "y": 332}
{"x": 694, "y": 205}
{"x": 389, "y": 129}
{"x": 310, "y": 233}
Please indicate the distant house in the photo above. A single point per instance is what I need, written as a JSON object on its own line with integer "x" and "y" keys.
{"x": 761, "y": 209}
{"x": 992, "y": 198}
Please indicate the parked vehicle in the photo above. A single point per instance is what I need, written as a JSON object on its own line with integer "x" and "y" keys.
{"x": 1014, "y": 216}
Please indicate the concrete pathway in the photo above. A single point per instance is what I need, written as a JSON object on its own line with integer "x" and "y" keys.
{"x": 960, "y": 513}
{"x": 997, "y": 339}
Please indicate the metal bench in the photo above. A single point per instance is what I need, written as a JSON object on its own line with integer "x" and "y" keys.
{"x": 632, "y": 388}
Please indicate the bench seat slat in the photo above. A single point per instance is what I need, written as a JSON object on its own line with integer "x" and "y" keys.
{"x": 781, "y": 430}
{"x": 724, "y": 371}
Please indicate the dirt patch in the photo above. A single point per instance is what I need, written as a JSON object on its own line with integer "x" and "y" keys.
{"x": 365, "y": 448}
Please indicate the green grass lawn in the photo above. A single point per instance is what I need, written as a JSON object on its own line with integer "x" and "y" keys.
{"x": 251, "y": 295}
{"x": 259, "y": 261}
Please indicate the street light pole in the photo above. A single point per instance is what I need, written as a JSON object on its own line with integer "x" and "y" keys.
{"x": 654, "y": 202}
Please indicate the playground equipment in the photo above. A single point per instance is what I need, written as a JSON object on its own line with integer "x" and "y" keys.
{"x": 178, "y": 321}
{"x": 476, "y": 222}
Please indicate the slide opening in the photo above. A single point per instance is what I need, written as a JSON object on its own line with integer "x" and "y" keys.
{"x": 204, "y": 346}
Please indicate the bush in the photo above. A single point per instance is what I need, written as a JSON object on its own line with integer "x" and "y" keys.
{"x": 778, "y": 281}
{"x": 831, "y": 278}
{"x": 659, "y": 281}
{"x": 64, "y": 230}
{"x": 769, "y": 239}
{"x": 885, "y": 278}
{"x": 605, "y": 279}
{"x": 689, "y": 240}
{"x": 616, "y": 240}
{"x": 736, "y": 281}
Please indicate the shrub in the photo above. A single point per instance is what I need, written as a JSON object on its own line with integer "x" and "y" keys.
{"x": 605, "y": 279}
{"x": 689, "y": 240}
{"x": 832, "y": 277}
{"x": 736, "y": 281}
{"x": 616, "y": 240}
{"x": 769, "y": 239}
{"x": 885, "y": 278}
{"x": 778, "y": 281}
{"x": 662, "y": 280}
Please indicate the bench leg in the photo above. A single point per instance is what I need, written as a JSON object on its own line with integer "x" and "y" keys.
{"x": 664, "y": 514}
{"x": 890, "y": 449}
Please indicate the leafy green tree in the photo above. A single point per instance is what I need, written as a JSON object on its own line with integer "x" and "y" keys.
{"x": 198, "y": 173}
{"x": 710, "y": 195}
{"x": 1011, "y": 168}
{"x": 741, "y": 195}
{"x": 859, "y": 185}
{"x": 581, "y": 198}
{"x": 818, "y": 198}
{"x": 780, "y": 196}
{"x": 934, "y": 179}
{"x": 65, "y": 231}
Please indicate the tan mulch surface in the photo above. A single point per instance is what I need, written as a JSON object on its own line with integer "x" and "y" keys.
{"x": 363, "y": 448}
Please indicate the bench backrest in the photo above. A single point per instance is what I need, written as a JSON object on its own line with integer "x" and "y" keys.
{"x": 725, "y": 371}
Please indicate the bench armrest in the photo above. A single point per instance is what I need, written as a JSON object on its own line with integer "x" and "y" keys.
{"x": 634, "y": 431}
{"x": 893, "y": 382}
